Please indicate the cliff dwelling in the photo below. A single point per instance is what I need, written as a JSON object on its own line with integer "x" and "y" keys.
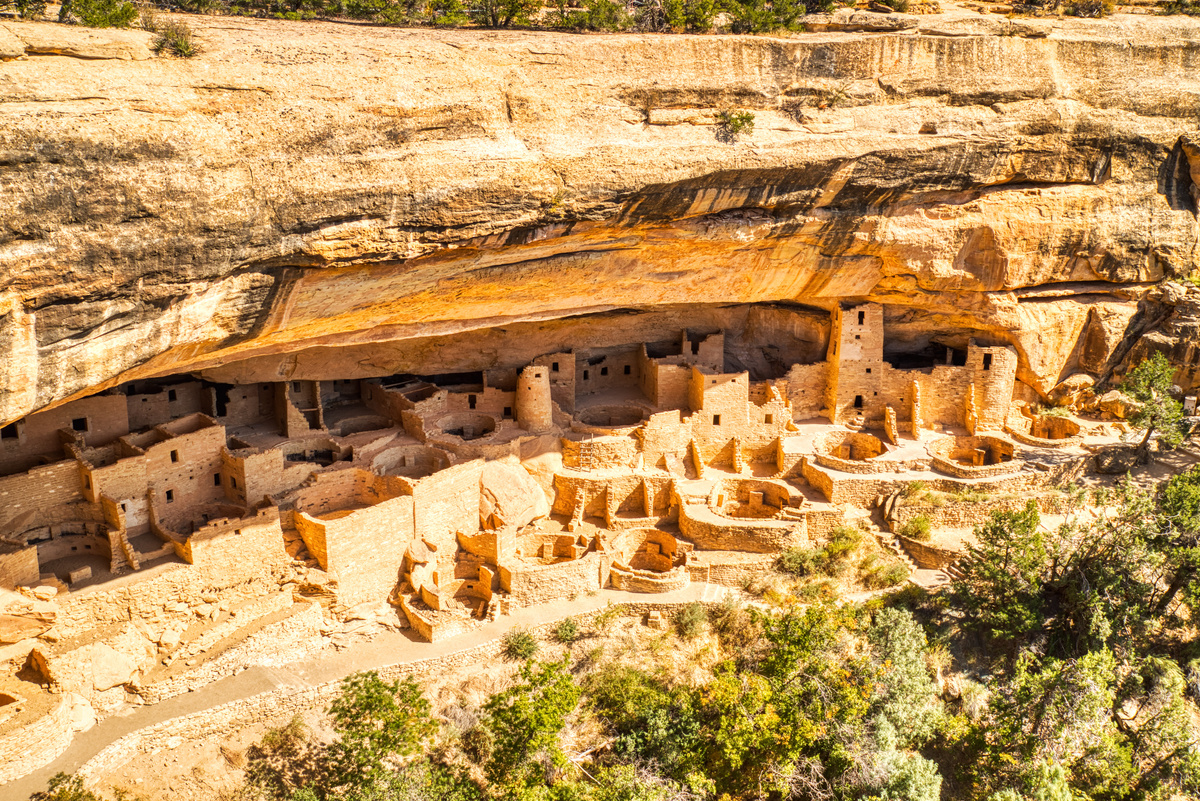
{"x": 185, "y": 510}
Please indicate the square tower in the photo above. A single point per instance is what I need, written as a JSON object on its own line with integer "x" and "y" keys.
{"x": 856, "y": 364}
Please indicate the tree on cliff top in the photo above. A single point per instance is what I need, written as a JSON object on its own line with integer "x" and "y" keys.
{"x": 1149, "y": 384}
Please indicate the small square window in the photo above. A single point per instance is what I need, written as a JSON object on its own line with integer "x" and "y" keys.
{"x": 471, "y": 401}
{"x": 868, "y": 371}
{"x": 174, "y": 456}
{"x": 216, "y": 479}
{"x": 79, "y": 424}
{"x": 295, "y": 386}
{"x": 770, "y": 418}
{"x": 9, "y": 431}
{"x": 171, "y": 395}
{"x": 554, "y": 367}
{"x": 856, "y": 336}
{"x": 716, "y": 419}
{"x": 628, "y": 369}
{"x": 603, "y": 371}
{"x": 170, "y": 496}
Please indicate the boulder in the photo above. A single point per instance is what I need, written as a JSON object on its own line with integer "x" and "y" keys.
{"x": 508, "y": 496}
{"x": 10, "y": 46}
{"x": 1118, "y": 404}
{"x": 111, "y": 668}
{"x": 1072, "y": 388}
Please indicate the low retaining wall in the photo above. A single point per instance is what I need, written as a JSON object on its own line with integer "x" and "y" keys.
{"x": 928, "y": 557}
{"x": 968, "y": 515}
{"x": 36, "y": 744}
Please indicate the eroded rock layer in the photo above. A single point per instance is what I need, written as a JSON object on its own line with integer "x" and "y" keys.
{"x": 302, "y": 196}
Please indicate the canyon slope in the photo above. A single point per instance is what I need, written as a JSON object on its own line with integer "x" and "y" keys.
{"x": 322, "y": 200}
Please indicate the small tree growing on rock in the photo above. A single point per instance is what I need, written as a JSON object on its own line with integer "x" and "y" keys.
{"x": 1149, "y": 384}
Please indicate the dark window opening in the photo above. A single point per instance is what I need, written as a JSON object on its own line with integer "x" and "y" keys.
{"x": 508, "y": 411}
{"x": 233, "y": 482}
{"x": 857, "y": 336}
{"x": 554, "y": 367}
{"x": 585, "y": 375}
{"x": 9, "y": 431}
{"x": 770, "y": 418}
{"x": 862, "y": 318}
{"x": 171, "y": 395}
{"x": 174, "y": 456}
{"x": 170, "y": 496}
{"x": 958, "y": 358}
{"x": 87, "y": 482}
{"x": 122, "y": 507}
{"x": 868, "y": 371}
{"x": 987, "y": 361}
{"x": 716, "y": 419}
{"x": 603, "y": 371}
{"x": 858, "y": 403}
{"x": 295, "y": 386}
{"x": 216, "y": 479}
{"x": 628, "y": 369}
{"x": 79, "y": 424}
{"x": 471, "y": 401}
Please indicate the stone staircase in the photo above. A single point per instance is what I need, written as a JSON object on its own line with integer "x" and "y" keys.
{"x": 891, "y": 543}
{"x": 122, "y": 546}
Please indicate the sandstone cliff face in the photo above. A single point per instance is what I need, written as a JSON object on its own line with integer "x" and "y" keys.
{"x": 306, "y": 199}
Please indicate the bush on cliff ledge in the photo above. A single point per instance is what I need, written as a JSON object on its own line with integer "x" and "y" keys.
{"x": 98, "y": 13}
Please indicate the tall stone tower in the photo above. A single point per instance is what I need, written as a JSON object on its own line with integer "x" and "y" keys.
{"x": 856, "y": 364}
{"x": 534, "y": 408}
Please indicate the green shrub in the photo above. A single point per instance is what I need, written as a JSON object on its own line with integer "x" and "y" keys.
{"x": 917, "y": 529}
{"x": 567, "y": 631}
{"x": 896, "y": 5}
{"x": 600, "y": 15}
{"x": 732, "y": 124}
{"x": 445, "y": 12}
{"x": 1191, "y": 8}
{"x": 98, "y": 13}
{"x": 1090, "y": 9}
{"x": 64, "y": 788}
{"x": 175, "y": 38}
{"x": 879, "y": 574}
{"x": 606, "y": 618}
{"x": 26, "y": 9}
{"x": 503, "y": 13}
{"x": 912, "y": 489}
{"x": 799, "y": 561}
{"x": 689, "y": 620}
{"x": 764, "y": 16}
{"x": 518, "y": 645}
{"x": 694, "y": 16}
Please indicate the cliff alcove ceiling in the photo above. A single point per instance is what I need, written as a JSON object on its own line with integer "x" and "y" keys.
{"x": 346, "y": 193}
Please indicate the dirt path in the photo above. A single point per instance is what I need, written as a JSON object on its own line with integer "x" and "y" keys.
{"x": 390, "y": 648}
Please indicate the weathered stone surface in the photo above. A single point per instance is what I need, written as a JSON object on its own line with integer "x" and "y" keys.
{"x": 41, "y": 39}
{"x": 509, "y": 496}
{"x": 111, "y": 668}
{"x": 10, "y": 46}
{"x": 304, "y": 187}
